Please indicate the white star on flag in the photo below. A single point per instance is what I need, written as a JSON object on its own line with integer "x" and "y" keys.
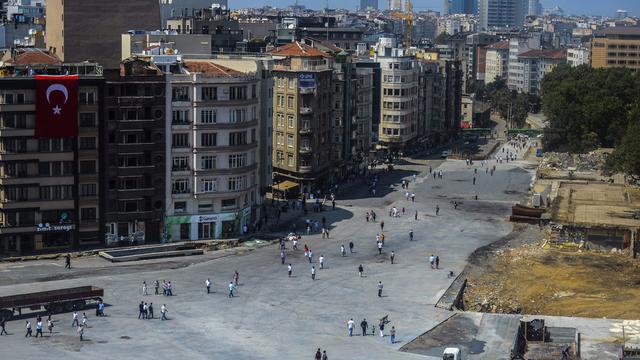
{"x": 56, "y": 110}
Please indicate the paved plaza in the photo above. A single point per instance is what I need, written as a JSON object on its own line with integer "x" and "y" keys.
{"x": 277, "y": 317}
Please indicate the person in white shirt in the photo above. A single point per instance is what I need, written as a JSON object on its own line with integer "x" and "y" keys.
{"x": 208, "y": 284}
{"x": 75, "y": 319}
{"x": 313, "y": 273}
{"x": 289, "y": 269}
{"x": 350, "y": 326}
{"x": 321, "y": 261}
{"x": 163, "y": 311}
{"x": 144, "y": 288}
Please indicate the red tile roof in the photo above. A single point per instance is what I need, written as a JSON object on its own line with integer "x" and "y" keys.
{"x": 547, "y": 54}
{"x": 36, "y": 57}
{"x": 296, "y": 49}
{"x": 500, "y": 45}
{"x": 210, "y": 68}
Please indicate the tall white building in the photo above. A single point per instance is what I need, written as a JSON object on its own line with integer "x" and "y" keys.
{"x": 213, "y": 149}
{"x": 517, "y": 46}
{"x": 502, "y": 13}
{"x": 579, "y": 56}
{"x": 497, "y": 62}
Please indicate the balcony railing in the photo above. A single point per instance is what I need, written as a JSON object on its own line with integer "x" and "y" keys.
{"x": 180, "y": 191}
{"x": 305, "y": 110}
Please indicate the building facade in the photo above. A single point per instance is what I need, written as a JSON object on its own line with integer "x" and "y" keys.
{"x": 302, "y": 119}
{"x": 532, "y": 66}
{"x": 502, "y": 13}
{"x": 399, "y": 99}
{"x": 497, "y": 62}
{"x": 133, "y": 154}
{"x": 578, "y": 56}
{"x": 212, "y": 170}
{"x": 49, "y": 188}
{"x": 616, "y": 47}
{"x": 91, "y": 29}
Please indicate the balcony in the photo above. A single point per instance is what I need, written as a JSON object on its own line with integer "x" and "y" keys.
{"x": 180, "y": 191}
{"x": 135, "y": 100}
{"x": 180, "y": 168}
{"x": 305, "y": 150}
{"x": 307, "y": 90}
{"x": 305, "y": 110}
{"x": 305, "y": 169}
{"x": 305, "y": 131}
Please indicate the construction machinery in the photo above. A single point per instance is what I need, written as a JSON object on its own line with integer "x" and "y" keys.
{"x": 407, "y": 18}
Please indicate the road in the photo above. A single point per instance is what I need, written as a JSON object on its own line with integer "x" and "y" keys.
{"x": 276, "y": 317}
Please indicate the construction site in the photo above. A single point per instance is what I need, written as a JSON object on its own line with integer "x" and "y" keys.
{"x": 573, "y": 248}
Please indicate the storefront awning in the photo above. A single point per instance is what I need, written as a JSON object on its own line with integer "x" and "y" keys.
{"x": 285, "y": 185}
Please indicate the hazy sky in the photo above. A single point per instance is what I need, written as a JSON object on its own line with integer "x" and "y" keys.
{"x": 590, "y": 7}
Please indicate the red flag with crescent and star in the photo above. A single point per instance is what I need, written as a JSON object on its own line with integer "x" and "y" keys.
{"x": 56, "y": 106}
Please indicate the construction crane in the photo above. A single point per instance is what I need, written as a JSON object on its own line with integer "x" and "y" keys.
{"x": 407, "y": 18}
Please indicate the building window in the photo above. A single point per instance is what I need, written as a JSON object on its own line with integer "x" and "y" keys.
{"x": 204, "y": 207}
{"x": 88, "y": 214}
{"x": 228, "y": 203}
{"x": 180, "y": 186}
{"x": 208, "y": 139}
{"x": 236, "y": 183}
{"x": 292, "y": 83}
{"x": 209, "y": 185}
{"x": 88, "y": 119}
{"x": 87, "y": 98}
{"x": 237, "y": 116}
{"x": 180, "y": 140}
{"x": 180, "y": 206}
{"x": 237, "y": 160}
{"x": 290, "y": 102}
{"x": 208, "y": 116}
{"x": 88, "y": 189}
{"x": 290, "y": 140}
{"x": 208, "y": 162}
{"x": 279, "y": 119}
{"x": 237, "y": 93}
{"x": 209, "y": 93}
{"x": 279, "y": 138}
{"x": 87, "y": 143}
{"x": 87, "y": 167}
{"x": 290, "y": 121}
{"x": 180, "y": 117}
{"x": 180, "y": 93}
{"x": 237, "y": 138}
{"x": 290, "y": 160}
{"x": 280, "y": 100}
{"x": 180, "y": 163}
{"x": 206, "y": 230}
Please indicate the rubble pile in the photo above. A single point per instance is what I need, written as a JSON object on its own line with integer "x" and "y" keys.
{"x": 592, "y": 161}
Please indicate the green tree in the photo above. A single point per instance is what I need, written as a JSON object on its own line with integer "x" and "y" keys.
{"x": 626, "y": 157}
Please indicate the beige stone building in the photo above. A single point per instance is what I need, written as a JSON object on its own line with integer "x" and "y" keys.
{"x": 497, "y": 62}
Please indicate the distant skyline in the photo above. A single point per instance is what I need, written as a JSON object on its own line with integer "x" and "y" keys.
{"x": 575, "y": 7}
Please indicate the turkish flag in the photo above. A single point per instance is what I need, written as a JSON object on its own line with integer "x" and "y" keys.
{"x": 56, "y": 106}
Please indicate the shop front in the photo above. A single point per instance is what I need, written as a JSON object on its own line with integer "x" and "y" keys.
{"x": 207, "y": 226}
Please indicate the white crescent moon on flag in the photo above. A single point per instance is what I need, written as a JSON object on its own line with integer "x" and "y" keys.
{"x": 57, "y": 87}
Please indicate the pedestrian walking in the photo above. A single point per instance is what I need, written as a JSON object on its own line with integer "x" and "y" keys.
{"x": 39, "y": 328}
{"x": 411, "y": 235}
{"x": 413, "y": 197}
{"x": 382, "y": 226}
{"x": 144, "y": 288}
{"x": 150, "y": 309}
{"x": 50, "y": 326}
{"x": 392, "y": 334}
{"x": 437, "y": 262}
{"x": 231, "y": 288}
{"x": 85, "y": 321}
{"x": 367, "y": 216}
{"x": 437, "y": 210}
{"x": 360, "y": 270}
{"x": 350, "y": 326}
{"x": 310, "y": 256}
{"x": 416, "y": 216}
{"x": 208, "y": 285}
{"x": 363, "y": 326}
{"x": 295, "y": 242}
{"x": 282, "y": 257}
{"x": 101, "y": 308}
{"x": 169, "y": 289}
{"x": 432, "y": 261}
{"x": 289, "y": 269}
{"x": 379, "y": 247}
{"x": 28, "y": 327}
{"x": 235, "y": 277}
{"x": 81, "y": 332}
{"x": 163, "y": 312}
{"x": 343, "y": 251}
{"x": 140, "y": 312}
{"x": 392, "y": 256}
{"x": 350, "y": 247}
{"x": 318, "y": 355}
{"x": 67, "y": 261}
{"x": 380, "y": 286}
{"x": 381, "y": 327}
{"x": 156, "y": 285}
{"x": 75, "y": 319}
{"x": 474, "y": 180}
{"x": 324, "y": 355}
{"x": 3, "y": 323}
{"x": 321, "y": 261}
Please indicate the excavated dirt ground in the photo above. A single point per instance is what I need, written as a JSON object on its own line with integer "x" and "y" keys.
{"x": 517, "y": 275}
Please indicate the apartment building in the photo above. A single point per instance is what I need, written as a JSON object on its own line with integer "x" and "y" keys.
{"x": 518, "y": 45}
{"x": 579, "y": 56}
{"x": 502, "y": 13}
{"x": 303, "y": 148}
{"x": 49, "y": 187}
{"x": 133, "y": 153}
{"x": 616, "y": 47}
{"x": 399, "y": 99}
{"x": 212, "y": 150}
{"x": 532, "y": 66}
{"x": 497, "y": 62}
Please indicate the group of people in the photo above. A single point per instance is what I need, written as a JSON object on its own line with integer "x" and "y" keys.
{"x": 364, "y": 325}
{"x": 167, "y": 288}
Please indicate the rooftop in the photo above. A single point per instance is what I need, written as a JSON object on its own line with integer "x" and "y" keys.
{"x": 547, "y": 54}
{"x": 500, "y": 45}
{"x": 297, "y": 49}
{"x": 210, "y": 68}
{"x": 619, "y": 30}
{"x": 32, "y": 56}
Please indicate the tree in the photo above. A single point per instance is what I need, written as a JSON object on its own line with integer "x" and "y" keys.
{"x": 626, "y": 157}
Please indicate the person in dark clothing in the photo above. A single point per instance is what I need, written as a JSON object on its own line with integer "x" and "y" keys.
{"x": 364, "y": 325}
{"x": 67, "y": 261}
{"x": 318, "y": 355}
{"x": 3, "y": 331}
{"x": 141, "y": 310}
{"x": 382, "y": 226}
{"x": 150, "y": 316}
{"x": 350, "y": 247}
